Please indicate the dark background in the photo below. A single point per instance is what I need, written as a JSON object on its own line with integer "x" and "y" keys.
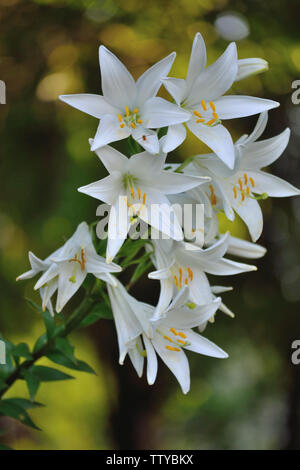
{"x": 251, "y": 400}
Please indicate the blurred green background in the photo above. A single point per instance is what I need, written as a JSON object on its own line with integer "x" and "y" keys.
{"x": 251, "y": 400}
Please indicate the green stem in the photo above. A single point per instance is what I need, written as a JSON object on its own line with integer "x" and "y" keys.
{"x": 184, "y": 164}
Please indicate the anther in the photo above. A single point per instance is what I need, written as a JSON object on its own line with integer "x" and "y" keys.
{"x": 212, "y": 105}
{"x": 241, "y": 184}
{"x": 245, "y": 178}
{"x": 135, "y": 110}
{"x": 234, "y": 192}
{"x": 182, "y": 335}
{"x": 133, "y": 125}
{"x": 168, "y": 338}
{"x": 191, "y": 274}
{"x": 120, "y": 117}
{"x": 122, "y": 125}
{"x": 203, "y": 105}
{"x": 172, "y": 348}
{"x": 140, "y": 121}
{"x": 197, "y": 114}
{"x": 139, "y": 193}
{"x": 174, "y": 331}
{"x": 127, "y": 111}
{"x": 132, "y": 192}
{"x": 252, "y": 181}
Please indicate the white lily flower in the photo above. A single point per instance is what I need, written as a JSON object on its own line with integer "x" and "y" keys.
{"x": 184, "y": 264}
{"x": 137, "y": 187}
{"x": 128, "y": 107}
{"x": 201, "y": 93}
{"x": 131, "y": 319}
{"x": 234, "y": 191}
{"x": 171, "y": 335}
{"x": 38, "y": 266}
{"x": 248, "y": 67}
{"x": 70, "y": 266}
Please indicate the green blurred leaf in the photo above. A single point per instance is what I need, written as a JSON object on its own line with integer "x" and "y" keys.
{"x": 32, "y": 382}
{"x": 48, "y": 374}
{"x": 8, "y": 407}
{"x": 100, "y": 310}
{"x": 21, "y": 350}
{"x": 50, "y": 323}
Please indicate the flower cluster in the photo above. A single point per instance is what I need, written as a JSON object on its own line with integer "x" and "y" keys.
{"x": 143, "y": 187}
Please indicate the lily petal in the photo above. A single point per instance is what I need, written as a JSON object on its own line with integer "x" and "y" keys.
{"x": 216, "y": 79}
{"x": 202, "y": 345}
{"x": 149, "y": 83}
{"x": 158, "y": 112}
{"x": 217, "y": 138}
{"x": 272, "y": 185}
{"x": 197, "y": 59}
{"x": 235, "y": 106}
{"x": 108, "y": 131}
{"x": 118, "y": 85}
{"x": 106, "y": 189}
{"x": 94, "y": 105}
{"x": 175, "y": 136}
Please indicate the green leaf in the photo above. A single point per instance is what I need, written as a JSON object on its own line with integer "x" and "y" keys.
{"x": 40, "y": 342}
{"x": 21, "y": 350}
{"x": 58, "y": 358}
{"x": 14, "y": 410}
{"x": 100, "y": 310}
{"x": 50, "y": 323}
{"x": 139, "y": 271}
{"x": 23, "y": 403}
{"x": 66, "y": 348}
{"x": 32, "y": 382}
{"x": 48, "y": 374}
{"x": 34, "y": 305}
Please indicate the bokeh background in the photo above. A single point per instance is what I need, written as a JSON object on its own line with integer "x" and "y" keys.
{"x": 50, "y": 47}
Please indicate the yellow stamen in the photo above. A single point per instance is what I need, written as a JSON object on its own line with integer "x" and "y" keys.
{"x": 122, "y": 125}
{"x": 127, "y": 111}
{"x": 180, "y": 341}
{"x": 248, "y": 191}
{"x": 252, "y": 181}
{"x": 186, "y": 281}
{"x": 212, "y": 105}
{"x": 139, "y": 193}
{"x": 215, "y": 115}
{"x": 203, "y": 105}
{"x": 243, "y": 196}
{"x": 245, "y": 178}
{"x": 176, "y": 281}
{"x": 174, "y": 331}
{"x": 169, "y": 339}
{"x": 120, "y": 117}
{"x": 200, "y": 120}
{"x": 234, "y": 192}
{"x": 182, "y": 335}
{"x": 135, "y": 110}
{"x": 212, "y": 121}
{"x": 180, "y": 277}
{"x": 144, "y": 198}
{"x": 133, "y": 125}
{"x": 191, "y": 274}
{"x": 171, "y": 348}
{"x": 132, "y": 192}
{"x": 241, "y": 184}
{"x": 139, "y": 121}
{"x": 198, "y": 114}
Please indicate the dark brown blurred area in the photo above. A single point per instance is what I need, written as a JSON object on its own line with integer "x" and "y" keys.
{"x": 48, "y": 48}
